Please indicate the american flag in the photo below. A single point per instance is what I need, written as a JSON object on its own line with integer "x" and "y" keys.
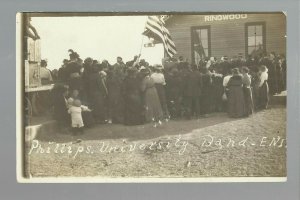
{"x": 155, "y": 29}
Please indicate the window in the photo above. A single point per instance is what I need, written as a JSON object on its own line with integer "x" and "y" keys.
{"x": 200, "y": 43}
{"x": 255, "y": 37}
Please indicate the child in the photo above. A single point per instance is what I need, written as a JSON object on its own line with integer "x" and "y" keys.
{"x": 86, "y": 114}
{"x": 76, "y": 117}
{"x": 74, "y": 95}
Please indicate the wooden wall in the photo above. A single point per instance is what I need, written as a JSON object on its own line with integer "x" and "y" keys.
{"x": 227, "y": 36}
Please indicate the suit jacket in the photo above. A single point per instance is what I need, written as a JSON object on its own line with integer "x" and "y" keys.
{"x": 192, "y": 84}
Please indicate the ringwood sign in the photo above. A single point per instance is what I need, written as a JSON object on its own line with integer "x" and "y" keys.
{"x": 209, "y": 18}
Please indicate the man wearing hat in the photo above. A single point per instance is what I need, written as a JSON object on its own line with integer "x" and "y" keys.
{"x": 73, "y": 71}
{"x": 45, "y": 73}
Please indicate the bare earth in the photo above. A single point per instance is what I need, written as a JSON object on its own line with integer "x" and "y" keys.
{"x": 216, "y": 146}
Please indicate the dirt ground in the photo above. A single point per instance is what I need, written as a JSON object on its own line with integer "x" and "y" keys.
{"x": 216, "y": 146}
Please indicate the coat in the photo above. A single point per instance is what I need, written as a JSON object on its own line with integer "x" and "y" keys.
{"x": 192, "y": 84}
{"x": 236, "y": 100}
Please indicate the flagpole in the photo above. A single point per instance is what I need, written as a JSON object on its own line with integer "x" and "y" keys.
{"x": 141, "y": 45}
{"x": 142, "y": 39}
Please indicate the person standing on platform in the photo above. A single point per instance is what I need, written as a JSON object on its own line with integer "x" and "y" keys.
{"x": 73, "y": 72}
{"x": 45, "y": 74}
{"x": 62, "y": 73}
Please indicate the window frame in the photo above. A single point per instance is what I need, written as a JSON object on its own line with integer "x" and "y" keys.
{"x": 263, "y": 24}
{"x": 208, "y": 41}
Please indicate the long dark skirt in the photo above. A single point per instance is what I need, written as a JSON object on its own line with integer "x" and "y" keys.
{"x": 236, "y": 102}
{"x": 133, "y": 114}
{"x": 192, "y": 106}
{"x": 62, "y": 117}
{"x": 206, "y": 100}
{"x": 217, "y": 104}
{"x": 97, "y": 102}
{"x": 174, "y": 104}
{"x": 263, "y": 99}
{"x": 88, "y": 119}
{"x": 255, "y": 93}
{"x": 116, "y": 106}
{"x": 248, "y": 101}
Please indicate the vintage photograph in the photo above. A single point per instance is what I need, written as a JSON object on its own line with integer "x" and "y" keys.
{"x": 156, "y": 96}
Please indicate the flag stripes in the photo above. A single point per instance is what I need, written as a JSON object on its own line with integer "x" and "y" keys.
{"x": 156, "y": 26}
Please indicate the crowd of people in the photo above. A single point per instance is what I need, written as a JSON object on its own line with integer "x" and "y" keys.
{"x": 89, "y": 92}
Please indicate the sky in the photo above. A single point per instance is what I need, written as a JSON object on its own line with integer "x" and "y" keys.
{"x": 103, "y": 37}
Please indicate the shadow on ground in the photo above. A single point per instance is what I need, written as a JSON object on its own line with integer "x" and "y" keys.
{"x": 140, "y": 132}
{"x": 147, "y": 131}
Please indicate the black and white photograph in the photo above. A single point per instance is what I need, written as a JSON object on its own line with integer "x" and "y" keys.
{"x": 152, "y": 97}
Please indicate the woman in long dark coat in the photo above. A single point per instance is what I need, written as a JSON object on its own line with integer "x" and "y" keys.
{"x": 174, "y": 87}
{"x": 59, "y": 101}
{"x": 87, "y": 65}
{"x": 247, "y": 91}
{"x": 206, "y": 96}
{"x": 97, "y": 94}
{"x": 255, "y": 75}
{"x": 133, "y": 114}
{"x": 236, "y": 100}
{"x": 153, "y": 110}
{"x": 217, "y": 92}
{"x": 115, "y": 78}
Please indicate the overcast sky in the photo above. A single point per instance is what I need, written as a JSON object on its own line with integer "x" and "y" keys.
{"x": 104, "y": 37}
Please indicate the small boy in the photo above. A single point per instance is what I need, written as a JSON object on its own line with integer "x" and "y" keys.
{"x": 76, "y": 117}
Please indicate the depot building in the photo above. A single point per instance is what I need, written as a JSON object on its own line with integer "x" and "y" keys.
{"x": 227, "y": 34}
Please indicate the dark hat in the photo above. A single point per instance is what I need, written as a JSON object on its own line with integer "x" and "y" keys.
{"x": 43, "y": 63}
{"x": 235, "y": 71}
{"x": 73, "y": 54}
{"x": 65, "y": 61}
{"x": 88, "y": 60}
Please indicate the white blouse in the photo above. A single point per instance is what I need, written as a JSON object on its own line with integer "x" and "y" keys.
{"x": 158, "y": 78}
{"x": 263, "y": 77}
{"x": 226, "y": 80}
